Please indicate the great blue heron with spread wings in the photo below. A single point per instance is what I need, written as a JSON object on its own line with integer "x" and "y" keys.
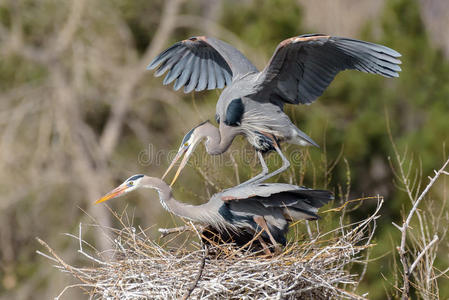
{"x": 252, "y": 103}
{"x": 243, "y": 210}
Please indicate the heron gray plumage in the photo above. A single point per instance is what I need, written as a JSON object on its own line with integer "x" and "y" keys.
{"x": 248, "y": 209}
{"x": 252, "y": 103}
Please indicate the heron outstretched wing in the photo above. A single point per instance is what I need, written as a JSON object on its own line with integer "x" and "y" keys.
{"x": 201, "y": 63}
{"x": 302, "y": 67}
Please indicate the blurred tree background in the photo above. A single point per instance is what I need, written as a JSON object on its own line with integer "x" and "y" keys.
{"x": 79, "y": 113}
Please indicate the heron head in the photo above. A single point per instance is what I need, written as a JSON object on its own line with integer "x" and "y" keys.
{"x": 127, "y": 186}
{"x": 188, "y": 145}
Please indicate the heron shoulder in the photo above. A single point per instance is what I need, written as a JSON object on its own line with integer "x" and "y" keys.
{"x": 234, "y": 112}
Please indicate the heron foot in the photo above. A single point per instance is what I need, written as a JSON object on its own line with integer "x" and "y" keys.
{"x": 265, "y": 248}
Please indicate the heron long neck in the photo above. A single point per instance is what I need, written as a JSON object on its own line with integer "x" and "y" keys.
{"x": 218, "y": 140}
{"x": 167, "y": 200}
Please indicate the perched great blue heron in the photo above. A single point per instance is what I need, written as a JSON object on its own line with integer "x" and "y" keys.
{"x": 252, "y": 103}
{"x": 246, "y": 209}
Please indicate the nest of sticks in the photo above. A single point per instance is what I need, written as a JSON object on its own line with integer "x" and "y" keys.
{"x": 136, "y": 267}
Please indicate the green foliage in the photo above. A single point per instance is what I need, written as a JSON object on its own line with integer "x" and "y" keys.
{"x": 262, "y": 24}
{"x": 17, "y": 70}
{"x": 140, "y": 16}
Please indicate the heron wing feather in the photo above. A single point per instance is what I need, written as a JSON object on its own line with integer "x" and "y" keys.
{"x": 200, "y": 63}
{"x": 212, "y": 83}
{"x": 302, "y": 67}
{"x": 193, "y": 80}
{"x": 252, "y": 190}
{"x": 202, "y": 82}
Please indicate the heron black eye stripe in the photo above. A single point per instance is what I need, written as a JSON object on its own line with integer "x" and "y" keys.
{"x": 187, "y": 136}
{"x": 135, "y": 177}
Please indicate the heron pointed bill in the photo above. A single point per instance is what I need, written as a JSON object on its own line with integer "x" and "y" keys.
{"x": 175, "y": 159}
{"x": 113, "y": 194}
{"x": 183, "y": 163}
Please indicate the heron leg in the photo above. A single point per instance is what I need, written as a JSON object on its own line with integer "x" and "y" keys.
{"x": 261, "y": 174}
{"x": 265, "y": 248}
{"x": 263, "y": 224}
{"x": 285, "y": 165}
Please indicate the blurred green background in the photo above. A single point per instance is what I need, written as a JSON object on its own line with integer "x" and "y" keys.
{"x": 79, "y": 113}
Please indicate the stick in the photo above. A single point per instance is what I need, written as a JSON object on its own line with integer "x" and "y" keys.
{"x": 198, "y": 276}
{"x": 167, "y": 231}
{"x": 63, "y": 263}
{"x": 412, "y": 267}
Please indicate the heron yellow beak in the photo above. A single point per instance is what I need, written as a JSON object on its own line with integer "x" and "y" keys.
{"x": 112, "y": 194}
{"x": 181, "y": 166}
{"x": 187, "y": 150}
{"x": 175, "y": 159}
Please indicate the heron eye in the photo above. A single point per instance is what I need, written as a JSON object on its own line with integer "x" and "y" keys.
{"x": 131, "y": 183}
{"x": 186, "y": 144}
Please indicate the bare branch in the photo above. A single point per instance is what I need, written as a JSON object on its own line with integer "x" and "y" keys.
{"x": 420, "y": 198}
{"x": 65, "y": 35}
{"x": 167, "y": 231}
{"x": 131, "y": 77}
{"x": 412, "y": 267}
